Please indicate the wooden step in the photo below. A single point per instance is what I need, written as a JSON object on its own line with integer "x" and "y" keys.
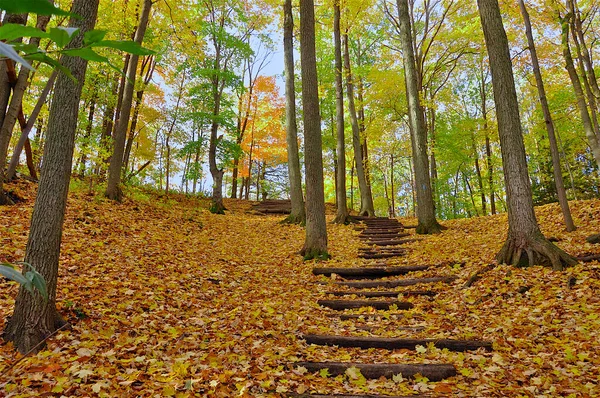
{"x": 355, "y": 396}
{"x": 395, "y": 283}
{"x": 391, "y": 242}
{"x": 368, "y": 271}
{"x": 393, "y": 293}
{"x": 434, "y": 372}
{"x": 348, "y": 317}
{"x": 388, "y": 343}
{"x": 370, "y": 256}
{"x": 340, "y": 305}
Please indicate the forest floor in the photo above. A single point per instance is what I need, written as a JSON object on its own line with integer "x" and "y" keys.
{"x": 167, "y": 299}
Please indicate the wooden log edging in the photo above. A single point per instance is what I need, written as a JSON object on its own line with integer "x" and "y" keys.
{"x": 434, "y": 372}
{"x": 395, "y": 283}
{"x": 394, "y": 293}
{"x": 340, "y": 305}
{"x": 368, "y": 271}
{"x": 354, "y": 396}
{"x": 396, "y": 343}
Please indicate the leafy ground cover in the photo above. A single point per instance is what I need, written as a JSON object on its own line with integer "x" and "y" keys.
{"x": 167, "y": 299}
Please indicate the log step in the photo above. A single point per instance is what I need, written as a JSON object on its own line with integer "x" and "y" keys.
{"x": 434, "y": 372}
{"x": 370, "y": 271}
{"x": 395, "y": 283}
{"x": 348, "y": 317}
{"x": 391, "y": 242}
{"x": 396, "y": 343}
{"x": 393, "y": 293}
{"x": 340, "y": 305}
{"x": 355, "y": 396}
{"x": 368, "y": 256}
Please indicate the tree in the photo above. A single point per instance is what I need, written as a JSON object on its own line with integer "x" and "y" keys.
{"x": 113, "y": 189}
{"x": 558, "y": 179}
{"x": 525, "y": 244}
{"x": 34, "y": 318}
{"x": 315, "y": 245}
{"x": 298, "y": 213}
{"x": 341, "y": 216}
{"x": 427, "y": 224}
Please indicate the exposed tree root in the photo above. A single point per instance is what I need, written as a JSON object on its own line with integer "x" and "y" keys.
{"x": 217, "y": 207}
{"x": 342, "y": 219}
{"x": 314, "y": 254}
{"x": 116, "y": 195}
{"x": 529, "y": 251}
{"x": 294, "y": 219}
{"x": 5, "y": 200}
{"x": 429, "y": 229}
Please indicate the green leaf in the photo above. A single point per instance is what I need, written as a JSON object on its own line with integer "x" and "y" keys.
{"x": 40, "y": 7}
{"x": 39, "y": 283}
{"x": 39, "y": 56}
{"x": 8, "y": 51}
{"x": 93, "y": 36}
{"x": 61, "y": 36}
{"x": 87, "y": 54}
{"x": 9, "y": 272}
{"x": 126, "y": 46}
{"x": 11, "y": 31}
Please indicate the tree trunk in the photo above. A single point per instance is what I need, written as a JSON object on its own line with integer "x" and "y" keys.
{"x": 113, "y": 189}
{"x": 298, "y": 213}
{"x": 581, "y": 101}
{"x": 427, "y": 224}
{"x": 87, "y": 134}
{"x": 315, "y": 245}
{"x": 393, "y": 193}
{"x": 488, "y": 146}
{"x": 558, "y": 178}
{"x": 34, "y": 319}
{"x": 14, "y": 160}
{"x": 366, "y": 199}
{"x": 341, "y": 216}
{"x": 525, "y": 244}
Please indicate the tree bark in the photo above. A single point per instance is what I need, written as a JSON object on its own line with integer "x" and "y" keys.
{"x": 113, "y": 189}
{"x": 14, "y": 160}
{"x": 366, "y": 199}
{"x": 298, "y": 214}
{"x": 315, "y": 245}
{"x": 525, "y": 244}
{"x": 341, "y": 216}
{"x": 33, "y": 318}
{"x": 558, "y": 178}
{"x": 588, "y": 128}
{"x": 427, "y": 224}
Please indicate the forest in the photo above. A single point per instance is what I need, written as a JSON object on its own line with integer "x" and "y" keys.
{"x": 425, "y": 175}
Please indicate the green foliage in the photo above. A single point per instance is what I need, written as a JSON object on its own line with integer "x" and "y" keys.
{"x": 30, "y": 280}
{"x": 40, "y": 7}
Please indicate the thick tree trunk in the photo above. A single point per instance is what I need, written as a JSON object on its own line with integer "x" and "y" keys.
{"x": 588, "y": 128}
{"x": 366, "y": 199}
{"x": 558, "y": 178}
{"x": 298, "y": 213}
{"x": 113, "y": 189}
{"x": 425, "y": 206}
{"x": 525, "y": 244}
{"x": 315, "y": 245}
{"x": 34, "y": 319}
{"x": 341, "y": 216}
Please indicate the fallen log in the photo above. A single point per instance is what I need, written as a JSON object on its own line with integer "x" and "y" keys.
{"x": 393, "y": 293}
{"x": 340, "y": 305}
{"x": 395, "y": 283}
{"x": 388, "y": 343}
{"x": 434, "y": 372}
{"x": 391, "y": 242}
{"x": 347, "y": 317}
{"x": 587, "y": 259}
{"x": 370, "y": 271}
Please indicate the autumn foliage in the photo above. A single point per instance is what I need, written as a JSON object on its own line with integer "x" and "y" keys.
{"x": 167, "y": 299}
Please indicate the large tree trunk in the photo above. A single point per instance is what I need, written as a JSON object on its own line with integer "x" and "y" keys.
{"x": 558, "y": 178}
{"x": 427, "y": 224}
{"x": 34, "y": 319}
{"x": 113, "y": 189}
{"x": 298, "y": 213}
{"x": 315, "y": 245}
{"x": 525, "y": 244}
{"x": 366, "y": 199}
{"x": 341, "y": 216}
{"x": 588, "y": 128}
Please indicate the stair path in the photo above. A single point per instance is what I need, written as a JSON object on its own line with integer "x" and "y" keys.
{"x": 383, "y": 239}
